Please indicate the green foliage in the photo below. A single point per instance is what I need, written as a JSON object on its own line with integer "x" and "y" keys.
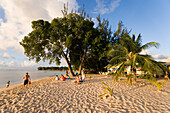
{"x": 53, "y": 68}
{"x": 107, "y": 91}
{"x": 146, "y": 76}
{"x": 158, "y": 84}
{"x": 97, "y": 56}
{"x": 70, "y": 37}
{"x": 126, "y": 53}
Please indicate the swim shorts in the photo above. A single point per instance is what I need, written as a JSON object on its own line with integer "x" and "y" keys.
{"x": 25, "y": 82}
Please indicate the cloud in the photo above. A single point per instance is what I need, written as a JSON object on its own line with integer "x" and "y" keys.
{"x": 145, "y": 51}
{"x": 166, "y": 60}
{"x": 20, "y": 13}
{"x": 2, "y": 63}
{"x": 106, "y": 6}
{"x": 8, "y": 64}
{"x": 7, "y": 56}
{"x": 14, "y": 64}
{"x": 95, "y": 22}
{"x": 28, "y": 64}
{"x": 161, "y": 56}
{"x": 11, "y": 64}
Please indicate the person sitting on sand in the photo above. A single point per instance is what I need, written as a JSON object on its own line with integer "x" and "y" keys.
{"x": 77, "y": 80}
{"x": 57, "y": 78}
{"x": 63, "y": 78}
{"x": 80, "y": 78}
{"x": 26, "y": 79}
{"x": 7, "y": 84}
{"x": 68, "y": 77}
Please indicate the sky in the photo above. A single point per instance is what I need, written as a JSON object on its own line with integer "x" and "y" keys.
{"x": 151, "y": 18}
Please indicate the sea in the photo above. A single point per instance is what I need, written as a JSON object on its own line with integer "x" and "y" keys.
{"x": 16, "y": 77}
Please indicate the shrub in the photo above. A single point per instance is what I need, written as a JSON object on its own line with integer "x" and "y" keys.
{"x": 107, "y": 91}
{"x": 158, "y": 84}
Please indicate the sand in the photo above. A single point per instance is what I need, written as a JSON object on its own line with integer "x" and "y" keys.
{"x": 51, "y": 96}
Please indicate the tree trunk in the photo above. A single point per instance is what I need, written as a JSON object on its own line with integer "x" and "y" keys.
{"x": 134, "y": 76}
{"x": 80, "y": 66}
{"x": 68, "y": 63}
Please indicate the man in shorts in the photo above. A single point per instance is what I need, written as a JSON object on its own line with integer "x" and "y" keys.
{"x": 26, "y": 79}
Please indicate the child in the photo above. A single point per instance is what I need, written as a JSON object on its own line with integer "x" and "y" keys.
{"x": 7, "y": 84}
{"x": 57, "y": 78}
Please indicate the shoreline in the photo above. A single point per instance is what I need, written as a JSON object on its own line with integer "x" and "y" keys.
{"x": 34, "y": 81}
{"x": 21, "y": 84}
{"x": 16, "y": 76}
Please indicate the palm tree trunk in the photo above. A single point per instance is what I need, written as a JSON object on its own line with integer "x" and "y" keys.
{"x": 133, "y": 70}
{"x": 134, "y": 76}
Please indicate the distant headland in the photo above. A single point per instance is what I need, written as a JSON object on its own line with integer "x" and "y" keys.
{"x": 53, "y": 68}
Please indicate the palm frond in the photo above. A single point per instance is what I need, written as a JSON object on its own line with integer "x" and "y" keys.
{"x": 151, "y": 65}
{"x": 119, "y": 71}
{"x": 108, "y": 93}
{"x": 113, "y": 53}
{"x": 139, "y": 39}
{"x": 117, "y": 60}
{"x": 150, "y": 44}
{"x": 158, "y": 84}
{"x": 106, "y": 85}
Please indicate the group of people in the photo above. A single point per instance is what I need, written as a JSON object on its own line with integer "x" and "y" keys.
{"x": 61, "y": 77}
{"x": 80, "y": 78}
{"x": 27, "y": 78}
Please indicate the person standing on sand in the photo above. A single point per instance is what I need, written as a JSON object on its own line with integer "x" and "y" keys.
{"x": 7, "y": 84}
{"x": 26, "y": 78}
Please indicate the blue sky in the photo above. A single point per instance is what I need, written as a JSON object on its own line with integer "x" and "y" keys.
{"x": 151, "y": 18}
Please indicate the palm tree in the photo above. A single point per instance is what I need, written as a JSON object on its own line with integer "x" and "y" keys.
{"x": 126, "y": 53}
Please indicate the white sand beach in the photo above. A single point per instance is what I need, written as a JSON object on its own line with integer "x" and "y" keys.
{"x": 51, "y": 96}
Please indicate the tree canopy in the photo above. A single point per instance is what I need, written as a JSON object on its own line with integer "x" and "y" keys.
{"x": 71, "y": 37}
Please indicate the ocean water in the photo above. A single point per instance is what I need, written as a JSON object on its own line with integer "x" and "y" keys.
{"x": 16, "y": 77}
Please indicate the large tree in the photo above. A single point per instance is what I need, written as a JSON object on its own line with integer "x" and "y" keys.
{"x": 72, "y": 37}
{"x": 126, "y": 53}
{"x": 65, "y": 37}
{"x": 97, "y": 56}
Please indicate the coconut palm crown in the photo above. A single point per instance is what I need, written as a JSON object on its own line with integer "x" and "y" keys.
{"x": 126, "y": 53}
